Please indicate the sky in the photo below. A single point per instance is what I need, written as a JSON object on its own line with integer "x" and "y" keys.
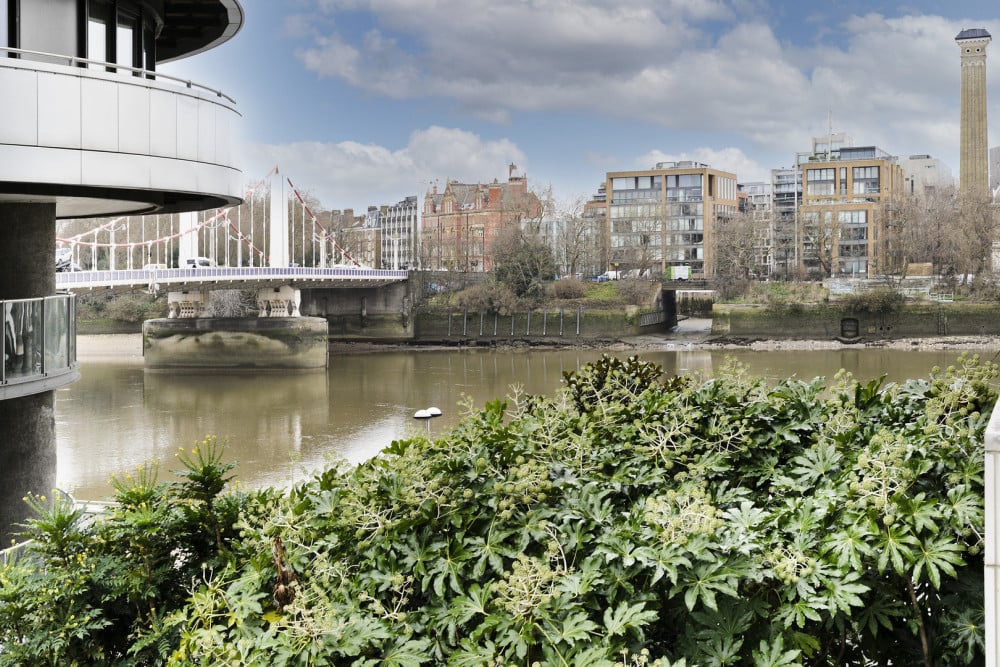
{"x": 366, "y": 102}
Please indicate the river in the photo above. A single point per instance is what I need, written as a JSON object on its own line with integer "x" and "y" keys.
{"x": 279, "y": 427}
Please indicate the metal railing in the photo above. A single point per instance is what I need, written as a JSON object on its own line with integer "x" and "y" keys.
{"x": 38, "y": 346}
{"x": 142, "y": 277}
{"x": 75, "y": 61}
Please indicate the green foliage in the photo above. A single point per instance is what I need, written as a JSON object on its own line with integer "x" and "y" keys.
{"x": 626, "y": 520}
{"x": 879, "y": 301}
{"x": 134, "y": 308}
{"x": 525, "y": 266}
{"x": 778, "y": 293}
{"x": 96, "y": 591}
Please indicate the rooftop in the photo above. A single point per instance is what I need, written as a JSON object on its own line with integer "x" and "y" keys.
{"x": 973, "y": 33}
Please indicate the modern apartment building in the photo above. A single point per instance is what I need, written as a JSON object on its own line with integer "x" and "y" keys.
{"x": 666, "y": 216}
{"x": 847, "y": 206}
{"x": 399, "y": 226}
{"x": 461, "y": 222}
{"x": 757, "y": 206}
{"x": 89, "y": 128}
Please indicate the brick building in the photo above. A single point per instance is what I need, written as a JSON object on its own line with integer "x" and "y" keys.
{"x": 461, "y": 222}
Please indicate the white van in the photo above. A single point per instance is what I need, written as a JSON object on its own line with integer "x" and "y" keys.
{"x": 199, "y": 262}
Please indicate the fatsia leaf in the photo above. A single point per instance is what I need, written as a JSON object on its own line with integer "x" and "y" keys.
{"x": 576, "y": 627}
{"x": 625, "y": 616}
{"x": 413, "y": 653}
{"x": 937, "y": 554}
{"x": 773, "y": 654}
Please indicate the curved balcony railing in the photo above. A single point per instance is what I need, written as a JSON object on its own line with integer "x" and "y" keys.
{"x": 75, "y": 61}
{"x": 38, "y": 347}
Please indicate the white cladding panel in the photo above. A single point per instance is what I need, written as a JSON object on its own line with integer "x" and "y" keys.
{"x": 99, "y": 119}
{"x": 163, "y": 124}
{"x": 187, "y": 128}
{"x": 19, "y": 122}
{"x": 58, "y": 110}
{"x": 30, "y": 164}
{"x": 206, "y": 133}
{"x": 133, "y": 120}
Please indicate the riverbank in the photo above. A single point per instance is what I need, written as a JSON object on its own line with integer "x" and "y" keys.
{"x": 690, "y": 334}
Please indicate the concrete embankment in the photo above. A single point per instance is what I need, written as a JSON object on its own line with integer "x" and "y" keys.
{"x": 833, "y": 321}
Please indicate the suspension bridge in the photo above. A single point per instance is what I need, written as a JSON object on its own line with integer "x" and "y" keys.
{"x": 273, "y": 240}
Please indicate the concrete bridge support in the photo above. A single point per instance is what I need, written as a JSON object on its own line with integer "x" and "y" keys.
{"x": 27, "y": 445}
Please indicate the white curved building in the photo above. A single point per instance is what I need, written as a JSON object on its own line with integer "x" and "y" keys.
{"x": 89, "y": 128}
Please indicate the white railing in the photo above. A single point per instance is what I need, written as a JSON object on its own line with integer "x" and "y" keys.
{"x": 146, "y": 277}
{"x": 75, "y": 61}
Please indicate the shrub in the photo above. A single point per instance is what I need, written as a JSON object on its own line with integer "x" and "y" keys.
{"x": 489, "y": 296}
{"x": 879, "y": 301}
{"x": 569, "y": 288}
{"x": 133, "y": 308}
{"x": 634, "y": 291}
{"x": 719, "y": 521}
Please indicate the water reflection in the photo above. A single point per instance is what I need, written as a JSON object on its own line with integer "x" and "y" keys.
{"x": 281, "y": 426}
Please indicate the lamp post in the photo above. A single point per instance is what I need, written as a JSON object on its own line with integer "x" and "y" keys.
{"x": 426, "y": 415}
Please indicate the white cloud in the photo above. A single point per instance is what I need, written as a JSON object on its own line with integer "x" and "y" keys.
{"x": 354, "y": 175}
{"x": 688, "y": 65}
{"x": 728, "y": 159}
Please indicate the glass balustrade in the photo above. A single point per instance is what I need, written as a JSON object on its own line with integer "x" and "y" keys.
{"x": 38, "y": 347}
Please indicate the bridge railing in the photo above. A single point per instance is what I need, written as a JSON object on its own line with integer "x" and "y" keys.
{"x": 69, "y": 279}
{"x": 38, "y": 347}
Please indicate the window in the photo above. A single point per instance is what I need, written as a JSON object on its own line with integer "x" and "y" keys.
{"x": 820, "y": 181}
{"x": 866, "y": 180}
{"x": 97, "y": 34}
{"x": 126, "y": 41}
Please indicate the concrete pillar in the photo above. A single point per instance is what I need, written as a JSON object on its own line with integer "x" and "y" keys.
{"x": 27, "y": 424}
{"x": 28, "y": 451}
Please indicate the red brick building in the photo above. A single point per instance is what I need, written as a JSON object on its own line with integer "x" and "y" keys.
{"x": 461, "y": 223}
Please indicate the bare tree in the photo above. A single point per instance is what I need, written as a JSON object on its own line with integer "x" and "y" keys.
{"x": 736, "y": 249}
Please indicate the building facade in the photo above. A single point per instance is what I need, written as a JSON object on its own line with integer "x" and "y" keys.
{"x": 87, "y": 129}
{"x": 666, "y": 216}
{"x": 399, "y": 226}
{"x": 846, "y": 211}
{"x": 461, "y": 223}
{"x": 924, "y": 176}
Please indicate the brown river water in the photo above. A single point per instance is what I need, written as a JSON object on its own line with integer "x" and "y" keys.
{"x": 281, "y": 427}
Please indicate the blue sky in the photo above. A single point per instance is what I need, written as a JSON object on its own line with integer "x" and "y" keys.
{"x": 366, "y": 102}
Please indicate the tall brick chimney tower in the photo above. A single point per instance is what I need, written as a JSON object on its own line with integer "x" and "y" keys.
{"x": 974, "y": 156}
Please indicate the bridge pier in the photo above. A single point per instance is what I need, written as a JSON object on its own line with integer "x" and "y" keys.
{"x": 236, "y": 343}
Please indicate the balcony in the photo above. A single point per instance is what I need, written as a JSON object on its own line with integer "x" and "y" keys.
{"x": 38, "y": 347}
{"x": 102, "y": 143}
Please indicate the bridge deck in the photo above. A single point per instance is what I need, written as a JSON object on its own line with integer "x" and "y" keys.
{"x": 226, "y": 277}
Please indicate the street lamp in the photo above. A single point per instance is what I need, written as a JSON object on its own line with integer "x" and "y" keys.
{"x": 427, "y": 414}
